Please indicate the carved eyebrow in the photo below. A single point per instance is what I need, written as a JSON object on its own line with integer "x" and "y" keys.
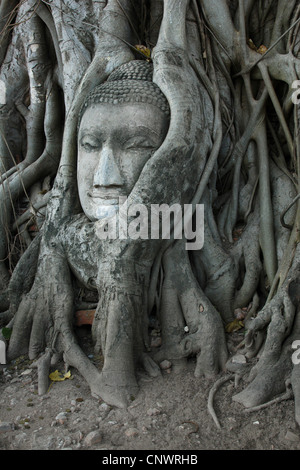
{"x": 96, "y": 133}
{"x": 90, "y": 132}
{"x": 146, "y": 130}
{"x": 140, "y": 131}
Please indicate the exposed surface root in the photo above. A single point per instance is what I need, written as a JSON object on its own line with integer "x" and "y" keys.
{"x": 43, "y": 366}
{"x": 288, "y": 395}
{"x": 295, "y": 380}
{"x": 211, "y": 395}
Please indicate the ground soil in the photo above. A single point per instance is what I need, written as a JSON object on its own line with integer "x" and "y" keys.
{"x": 170, "y": 413}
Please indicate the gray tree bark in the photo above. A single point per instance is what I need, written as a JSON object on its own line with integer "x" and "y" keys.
{"x": 229, "y": 72}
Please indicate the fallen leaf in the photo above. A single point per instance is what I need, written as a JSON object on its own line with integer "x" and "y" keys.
{"x": 144, "y": 50}
{"x": 251, "y": 44}
{"x": 235, "y": 325}
{"x": 262, "y": 49}
{"x": 56, "y": 376}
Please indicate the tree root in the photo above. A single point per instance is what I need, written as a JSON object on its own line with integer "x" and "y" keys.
{"x": 5, "y": 317}
{"x": 4, "y": 301}
{"x": 211, "y": 395}
{"x": 295, "y": 380}
{"x": 190, "y": 324}
{"x": 268, "y": 377}
{"x": 43, "y": 366}
{"x": 286, "y": 396}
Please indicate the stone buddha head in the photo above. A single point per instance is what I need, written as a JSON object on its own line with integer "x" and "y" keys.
{"x": 122, "y": 123}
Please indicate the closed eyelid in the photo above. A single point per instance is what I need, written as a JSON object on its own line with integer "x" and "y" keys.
{"x": 90, "y": 139}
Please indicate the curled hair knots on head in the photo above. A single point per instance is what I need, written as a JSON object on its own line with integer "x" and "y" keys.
{"x": 129, "y": 83}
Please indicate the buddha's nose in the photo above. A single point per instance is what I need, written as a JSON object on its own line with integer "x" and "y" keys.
{"x": 107, "y": 171}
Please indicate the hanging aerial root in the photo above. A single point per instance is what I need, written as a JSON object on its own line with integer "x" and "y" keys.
{"x": 211, "y": 395}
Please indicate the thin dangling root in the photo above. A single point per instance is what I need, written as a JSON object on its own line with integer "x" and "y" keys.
{"x": 287, "y": 395}
{"x": 211, "y": 395}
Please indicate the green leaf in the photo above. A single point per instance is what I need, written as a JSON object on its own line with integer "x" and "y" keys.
{"x": 6, "y": 332}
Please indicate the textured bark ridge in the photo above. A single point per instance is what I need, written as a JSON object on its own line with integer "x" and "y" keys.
{"x": 116, "y": 107}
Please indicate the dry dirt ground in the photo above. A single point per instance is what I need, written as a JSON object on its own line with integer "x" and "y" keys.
{"x": 169, "y": 414}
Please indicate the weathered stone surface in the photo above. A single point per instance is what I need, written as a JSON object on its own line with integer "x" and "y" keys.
{"x": 153, "y": 411}
{"x": 61, "y": 418}
{"x": 42, "y": 442}
{"x": 239, "y": 359}
{"x": 5, "y": 427}
{"x": 131, "y": 432}
{"x": 104, "y": 407}
{"x": 164, "y": 365}
{"x": 291, "y": 436}
{"x": 94, "y": 437}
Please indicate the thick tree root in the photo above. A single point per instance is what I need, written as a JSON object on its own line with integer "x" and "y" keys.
{"x": 286, "y": 396}
{"x": 190, "y": 324}
{"x": 268, "y": 377}
{"x": 5, "y": 318}
{"x": 269, "y": 381}
{"x": 295, "y": 380}
{"x": 4, "y": 301}
{"x": 115, "y": 389}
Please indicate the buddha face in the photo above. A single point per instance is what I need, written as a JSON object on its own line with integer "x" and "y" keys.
{"x": 114, "y": 143}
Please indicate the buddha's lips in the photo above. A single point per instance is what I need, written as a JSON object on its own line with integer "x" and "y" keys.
{"x": 105, "y": 195}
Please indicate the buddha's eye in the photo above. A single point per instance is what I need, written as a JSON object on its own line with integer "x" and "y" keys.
{"x": 139, "y": 143}
{"x": 89, "y": 143}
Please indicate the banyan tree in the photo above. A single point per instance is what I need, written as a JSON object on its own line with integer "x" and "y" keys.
{"x": 113, "y": 109}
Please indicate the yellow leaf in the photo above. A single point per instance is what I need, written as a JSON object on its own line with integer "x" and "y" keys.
{"x": 262, "y": 49}
{"x": 144, "y": 50}
{"x": 251, "y": 44}
{"x": 58, "y": 377}
{"x": 235, "y": 325}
